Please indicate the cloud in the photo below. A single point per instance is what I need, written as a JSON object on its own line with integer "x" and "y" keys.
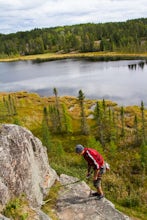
{"x": 19, "y": 15}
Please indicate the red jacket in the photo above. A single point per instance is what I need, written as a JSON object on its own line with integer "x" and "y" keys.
{"x": 93, "y": 158}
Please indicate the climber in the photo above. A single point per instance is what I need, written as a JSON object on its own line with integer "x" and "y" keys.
{"x": 95, "y": 161}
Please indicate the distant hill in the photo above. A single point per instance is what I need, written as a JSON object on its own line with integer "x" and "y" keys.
{"x": 129, "y": 36}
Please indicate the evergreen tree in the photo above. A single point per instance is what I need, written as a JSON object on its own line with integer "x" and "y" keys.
{"x": 136, "y": 132}
{"x": 53, "y": 115}
{"x": 144, "y": 157}
{"x": 122, "y": 122}
{"x": 46, "y": 139}
{"x": 97, "y": 116}
{"x": 45, "y": 115}
{"x": 10, "y": 105}
{"x": 143, "y": 121}
{"x": 111, "y": 126}
{"x": 84, "y": 126}
{"x": 66, "y": 120}
{"x": 59, "y": 127}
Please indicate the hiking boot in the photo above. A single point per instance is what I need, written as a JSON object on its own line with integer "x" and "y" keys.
{"x": 94, "y": 194}
{"x": 100, "y": 197}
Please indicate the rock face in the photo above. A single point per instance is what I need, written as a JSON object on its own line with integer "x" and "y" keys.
{"x": 24, "y": 166}
{"x": 74, "y": 203}
{"x": 24, "y": 169}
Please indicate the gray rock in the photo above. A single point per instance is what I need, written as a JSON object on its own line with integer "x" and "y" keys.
{"x": 3, "y": 217}
{"x": 74, "y": 203}
{"x": 24, "y": 166}
{"x": 43, "y": 216}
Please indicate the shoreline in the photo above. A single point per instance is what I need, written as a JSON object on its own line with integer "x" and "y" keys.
{"x": 93, "y": 56}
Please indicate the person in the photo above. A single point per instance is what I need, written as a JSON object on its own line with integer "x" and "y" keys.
{"x": 94, "y": 160}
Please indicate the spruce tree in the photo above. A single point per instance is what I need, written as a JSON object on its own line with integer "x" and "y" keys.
{"x": 136, "y": 132}
{"x": 143, "y": 121}
{"x": 53, "y": 115}
{"x": 46, "y": 139}
{"x": 84, "y": 126}
{"x": 66, "y": 120}
{"x": 59, "y": 127}
{"x": 122, "y": 121}
{"x": 98, "y": 118}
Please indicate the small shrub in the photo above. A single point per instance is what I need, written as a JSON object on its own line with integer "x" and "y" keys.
{"x": 15, "y": 209}
{"x": 130, "y": 202}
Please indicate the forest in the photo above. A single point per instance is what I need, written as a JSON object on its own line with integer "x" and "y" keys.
{"x": 127, "y": 37}
{"x": 119, "y": 133}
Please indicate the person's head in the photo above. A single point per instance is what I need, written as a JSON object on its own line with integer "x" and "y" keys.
{"x": 79, "y": 149}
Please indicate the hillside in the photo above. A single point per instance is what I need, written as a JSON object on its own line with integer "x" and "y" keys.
{"x": 118, "y": 132}
{"x": 27, "y": 182}
{"x": 126, "y": 37}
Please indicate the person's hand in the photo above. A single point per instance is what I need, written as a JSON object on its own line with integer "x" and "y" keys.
{"x": 88, "y": 175}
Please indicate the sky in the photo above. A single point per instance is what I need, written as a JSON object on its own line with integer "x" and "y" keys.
{"x": 23, "y": 15}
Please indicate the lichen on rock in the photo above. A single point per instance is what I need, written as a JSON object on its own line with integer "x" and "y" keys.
{"x": 24, "y": 166}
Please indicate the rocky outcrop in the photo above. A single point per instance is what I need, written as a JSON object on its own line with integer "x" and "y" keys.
{"x": 24, "y": 169}
{"x": 74, "y": 203}
{"x": 24, "y": 166}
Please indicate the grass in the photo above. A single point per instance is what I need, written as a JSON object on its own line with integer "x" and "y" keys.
{"x": 18, "y": 209}
{"x": 89, "y": 55}
{"x": 29, "y": 114}
{"x": 50, "y": 201}
{"x": 135, "y": 213}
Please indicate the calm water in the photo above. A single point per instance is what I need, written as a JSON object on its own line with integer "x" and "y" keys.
{"x": 112, "y": 80}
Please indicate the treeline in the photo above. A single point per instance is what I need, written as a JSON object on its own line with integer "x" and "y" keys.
{"x": 129, "y": 36}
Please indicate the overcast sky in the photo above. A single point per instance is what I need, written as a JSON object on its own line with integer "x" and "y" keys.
{"x": 22, "y": 15}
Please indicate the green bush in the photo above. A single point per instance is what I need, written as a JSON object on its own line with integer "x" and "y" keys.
{"x": 14, "y": 209}
{"x": 131, "y": 201}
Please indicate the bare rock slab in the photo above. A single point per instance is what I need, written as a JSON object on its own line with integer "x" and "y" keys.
{"x": 74, "y": 203}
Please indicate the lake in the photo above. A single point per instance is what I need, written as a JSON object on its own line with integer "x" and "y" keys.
{"x": 124, "y": 82}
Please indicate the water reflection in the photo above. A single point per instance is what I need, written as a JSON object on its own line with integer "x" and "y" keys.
{"x": 141, "y": 65}
{"x": 110, "y": 80}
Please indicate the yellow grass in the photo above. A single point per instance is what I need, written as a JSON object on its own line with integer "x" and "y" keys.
{"x": 72, "y": 55}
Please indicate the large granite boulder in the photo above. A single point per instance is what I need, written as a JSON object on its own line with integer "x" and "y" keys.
{"x": 24, "y": 166}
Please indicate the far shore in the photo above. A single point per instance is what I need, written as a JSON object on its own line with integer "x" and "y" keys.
{"x": 100, "y": 56}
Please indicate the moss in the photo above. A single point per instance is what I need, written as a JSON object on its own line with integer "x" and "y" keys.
{"x": 18, "y": 209}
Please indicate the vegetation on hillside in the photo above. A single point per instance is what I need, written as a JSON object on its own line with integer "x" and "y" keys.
{"x": 118, "y": 132}
{"x": 127, "y": 37}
